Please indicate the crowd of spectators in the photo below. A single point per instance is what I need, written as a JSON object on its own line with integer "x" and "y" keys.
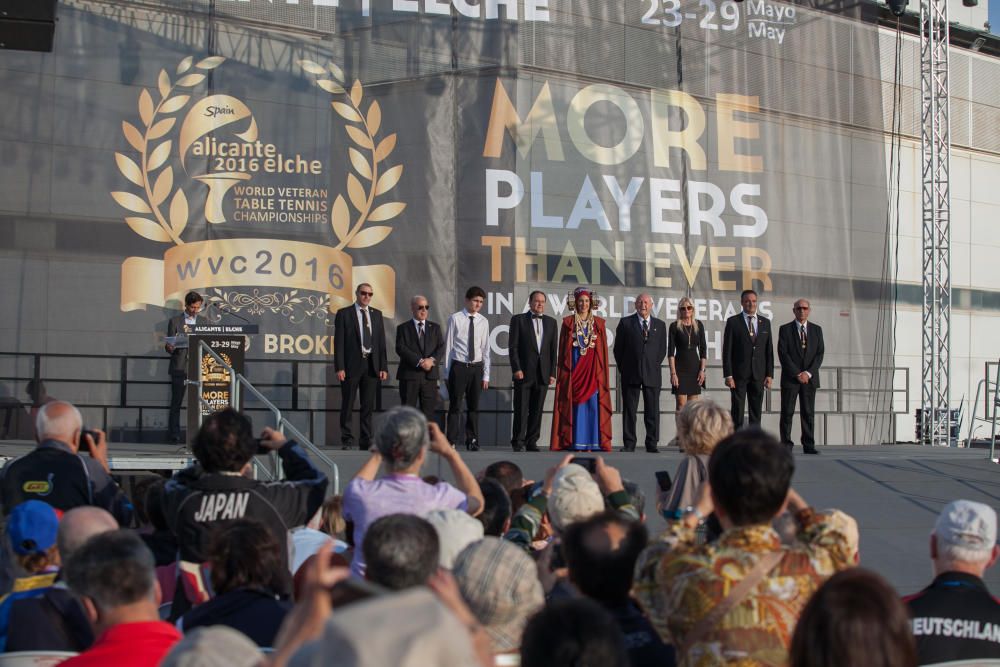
{"x": 213, "y": 567}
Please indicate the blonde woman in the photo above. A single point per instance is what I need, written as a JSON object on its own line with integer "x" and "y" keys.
{"x": 701, "y": 425}
{"x": 687, "y": 352}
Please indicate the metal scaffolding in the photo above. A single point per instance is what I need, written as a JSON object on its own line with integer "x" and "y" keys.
{"x": 935, "y": 148}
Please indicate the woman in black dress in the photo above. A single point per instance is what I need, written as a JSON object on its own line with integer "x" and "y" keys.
{"x": 687, "y": 351}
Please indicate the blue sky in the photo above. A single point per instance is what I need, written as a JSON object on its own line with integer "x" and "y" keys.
{"x": 995, "y": 16}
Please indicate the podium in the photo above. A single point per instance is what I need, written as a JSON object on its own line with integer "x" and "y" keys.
{"x": 230, "y": 343}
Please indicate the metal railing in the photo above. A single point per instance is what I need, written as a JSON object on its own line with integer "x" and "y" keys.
{"x": 841, "y": 397}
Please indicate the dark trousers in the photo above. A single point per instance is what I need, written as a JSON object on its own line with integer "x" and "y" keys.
{"x": 421, "y": 394}
{"x": 464, "y": 381}
{"x": 749, "y": 393}
{"x": 366, "y": 385}
{"x": 529, "y": 402}
{"x": 177, "y": 389}
{"x": 651, "y": 414}
{"x": 806, "y": 394}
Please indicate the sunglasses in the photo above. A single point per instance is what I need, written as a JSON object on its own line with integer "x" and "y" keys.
{"x": 686, "y": 308}
{"x": 801, "y": 308}
{"x": 423, "y": 307}
{"x": 367, "y": 293}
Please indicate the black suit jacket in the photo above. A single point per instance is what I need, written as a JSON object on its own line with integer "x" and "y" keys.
{"x": 743, "y": 359}
{"x": 409, "y": 351}
{"x": 347, "y": 342}
{"x": 179, "y": 357}
{"x": 793, "y": 361}
{"x": 640, "y": 359}
{"x": 524, "y": 355}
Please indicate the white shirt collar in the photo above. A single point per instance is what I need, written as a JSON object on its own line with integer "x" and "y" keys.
{"x": 417, "y": 322}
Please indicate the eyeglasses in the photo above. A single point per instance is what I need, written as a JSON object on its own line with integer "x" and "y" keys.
{"x": 801, "y": 308}
{"x": 423, "y": 307}
{"x": 366, "y": 293}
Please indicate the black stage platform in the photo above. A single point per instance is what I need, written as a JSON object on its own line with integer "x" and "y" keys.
{"x": 894, "y": 491}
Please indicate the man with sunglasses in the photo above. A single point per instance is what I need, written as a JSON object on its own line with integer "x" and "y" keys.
{"x": 800, "y": 351}
{"x": 361, "y": 362}
{"x": 420, "y": 346}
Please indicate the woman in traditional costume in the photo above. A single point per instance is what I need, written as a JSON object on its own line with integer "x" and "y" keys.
{"x": 582, "y": 417}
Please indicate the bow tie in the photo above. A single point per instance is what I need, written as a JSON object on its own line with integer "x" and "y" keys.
{"x": 536, "y": 317}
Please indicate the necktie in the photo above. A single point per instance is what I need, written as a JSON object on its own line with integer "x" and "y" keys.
{"x": 753, "y": 328}
{"x": 645, "y": 329}
{"x": 536, "y": 320}
{"x": 802, "y": 336}
{"x": 366, "y": 335}
{"x": 470, "y": 343}
{"x": 420, "y": 335}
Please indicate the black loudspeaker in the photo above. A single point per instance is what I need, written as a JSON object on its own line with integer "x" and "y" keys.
{"x": 27, "y": 25}
{"x": 898, "y": 7}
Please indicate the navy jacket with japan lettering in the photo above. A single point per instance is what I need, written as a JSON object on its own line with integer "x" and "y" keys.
{"x": 197, "y": 502}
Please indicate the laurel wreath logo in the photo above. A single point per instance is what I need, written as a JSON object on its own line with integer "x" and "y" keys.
{"x": 212, "y": 371}
{"x": 362, "y": 129}
{"x": 157, "y": 119}
{"x": 156, "y": 192}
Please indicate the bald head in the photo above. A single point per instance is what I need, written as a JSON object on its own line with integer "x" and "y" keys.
{"x": 60, "y": 421}
{"x": 80, "y": 524}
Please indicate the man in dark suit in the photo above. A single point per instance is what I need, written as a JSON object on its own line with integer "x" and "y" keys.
{"x": 800, "y": 351}
{"x": 747, "y": 359}
{"x": 360, "y": 360}
{"x": 180, "y": 324}
{"x": 420, "y": 346}
{"x": 533, "y": 345}
{"x": 640, "y": 348}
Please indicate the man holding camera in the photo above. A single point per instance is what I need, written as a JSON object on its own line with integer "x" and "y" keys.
{"x": 56, "y": 471}
{"x": 218, "y": 490}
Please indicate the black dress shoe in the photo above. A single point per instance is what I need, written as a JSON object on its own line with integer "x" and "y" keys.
{"x": 532, "y": 448}
{"x": 628, "y": 449}
{"x": 345, "y": 447}
{"x": 517, "y": 448}
{"x": 472, "y": 445}
{"x": 790, "y": 447}
{"x": 810, "y": 451}
{"x": 653, "y": 450}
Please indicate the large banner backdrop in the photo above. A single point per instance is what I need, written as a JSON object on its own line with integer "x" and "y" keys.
{"x": 272, "y": 154}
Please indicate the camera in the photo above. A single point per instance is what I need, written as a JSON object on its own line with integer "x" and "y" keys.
{"x": 588, "y": 462}
{"x": 84, "y": 445}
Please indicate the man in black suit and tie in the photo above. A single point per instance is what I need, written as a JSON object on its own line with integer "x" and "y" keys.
{"x": 800, "y": 351}
{"x": 360, "y": 360}
{"x": 180, "y": 324}
{"x": 747, "y": 359}
{"x": 533, "y": 346}
{"x": 420, "y": 346}
{"x": 640, "y": 348}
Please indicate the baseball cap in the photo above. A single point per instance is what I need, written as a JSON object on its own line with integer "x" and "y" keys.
{"x": 456, "y": 530}
{"x": 967, "y": 524}
{"x": 575, "y": 496}
{"x": 32, "y": 527}
{"x": 499, "y": 582}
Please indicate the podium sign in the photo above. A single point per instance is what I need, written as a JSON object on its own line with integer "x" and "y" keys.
{"x": 229, "y": 343}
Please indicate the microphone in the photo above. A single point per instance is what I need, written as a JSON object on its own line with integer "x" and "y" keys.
{"x": 219, "y": 307}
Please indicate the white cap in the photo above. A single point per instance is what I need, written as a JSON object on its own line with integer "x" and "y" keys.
{"x": 575, "y": 497}
{"x": 968, "y": 525}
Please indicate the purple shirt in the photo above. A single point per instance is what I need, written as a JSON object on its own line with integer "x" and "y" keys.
{"x": 367, "y": 501}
